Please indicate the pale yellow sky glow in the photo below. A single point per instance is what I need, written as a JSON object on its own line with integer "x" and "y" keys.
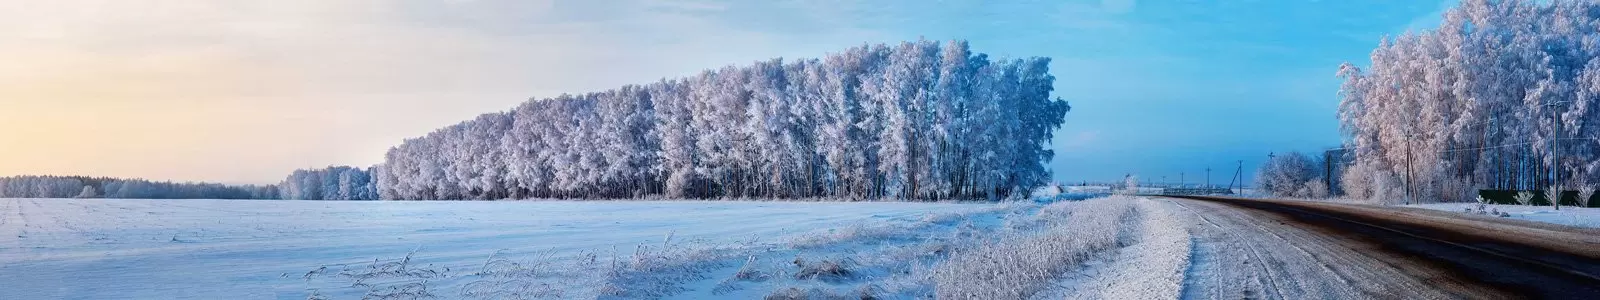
{"x": 246, "y": 91}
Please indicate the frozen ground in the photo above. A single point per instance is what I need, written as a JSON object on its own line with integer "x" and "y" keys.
{"x": 206, "y": 249}
{"x": 1567, "y": 215}
{"x": 1249, "y": 254}
{"x": 213, "y": 249}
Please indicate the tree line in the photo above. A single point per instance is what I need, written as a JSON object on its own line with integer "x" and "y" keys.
{"x": 104, "y": 187}
{"x": 331, "y": 183}
{"x": 919, "y": 120}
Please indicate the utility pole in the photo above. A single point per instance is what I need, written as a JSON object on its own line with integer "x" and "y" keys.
{"x": 1327, "y": 170}
{"x": 1208, "y": 177}
{"x": 1408, "y": 166}
{"x": 1270, "y": 157}
{"x": 1180, "y": 179}
{"x": 1555, "y": 153}
{"x": 1238, "y": 176}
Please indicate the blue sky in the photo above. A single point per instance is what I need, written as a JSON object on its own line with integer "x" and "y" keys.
{"x": 243, "y": 91}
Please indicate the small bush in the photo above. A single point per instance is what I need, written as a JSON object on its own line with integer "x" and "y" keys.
{"x": 788, "y": 294}
{"x": 1525, "y": 198}
{"x": 829, "y": 271}
{"x": 1553, "y": 194}
{"x": 748, "y": 272}
{"x": 657, "y": 272}
{"x": 867, "y": 292}
{"x": 1287, "y": 175}
{"x": 1584, "y": 193}
{"x": 394, "y": 269}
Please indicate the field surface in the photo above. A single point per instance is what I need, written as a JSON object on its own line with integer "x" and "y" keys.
{"x": 1566, "y": 215}
{"x": 1116, "y": 247}
{"x": 215, "y": 249}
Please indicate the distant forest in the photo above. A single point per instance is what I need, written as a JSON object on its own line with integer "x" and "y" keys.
{"x": 921, "y": 120}
{"x": 332, "y": 183}
{"x": 102, "y": 187}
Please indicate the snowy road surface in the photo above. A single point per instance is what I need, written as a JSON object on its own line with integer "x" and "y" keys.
{"x": 1244, "y": 253}
{"x": 1267, "y": 249}
{"x": 215, "y": 249}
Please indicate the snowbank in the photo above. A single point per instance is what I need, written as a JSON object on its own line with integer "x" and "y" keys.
{"x": 1568, "y": 215}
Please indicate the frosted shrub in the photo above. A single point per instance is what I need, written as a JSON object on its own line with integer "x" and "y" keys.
{"x": 1456, "y": 189}
{"x": 1525, "y": 198}
{"x": 1553, "y": 194}
{"x": 1130, "y": 185}
{"x": 1357, "y": 182}
{"x": 1387, "y": 189}
{"x": 830, "y": 271}
{"x": 1286, "y": 175}
{"x": 1315, "y": 189}
{"x": 657, "y": 271}
{"x": 1584, "y": 193}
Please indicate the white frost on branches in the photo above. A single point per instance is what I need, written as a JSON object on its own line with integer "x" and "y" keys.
{"x": 919, "y": 120}
{"x": 1479, "y": 102}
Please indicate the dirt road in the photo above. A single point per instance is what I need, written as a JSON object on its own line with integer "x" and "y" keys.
{"x": 1301, "y": 250}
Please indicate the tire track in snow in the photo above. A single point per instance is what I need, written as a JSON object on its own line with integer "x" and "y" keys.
{"x": 11, "y": 224}
{"x": 1298, "y": 260}
{"x": 1503, "y": 258}
{"x": 5, "y": 214}
{"x": 1318, "y": 260}
{"x": 1254, "y": 254}
{"x": 19, "y": 229}
{"x": 22, "y": 217}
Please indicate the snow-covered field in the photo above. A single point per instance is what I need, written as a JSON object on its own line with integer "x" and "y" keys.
{"x": 215, "y": 249}
{"x": 1567, "y": 215}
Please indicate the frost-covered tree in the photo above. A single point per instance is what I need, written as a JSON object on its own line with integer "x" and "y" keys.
{"x": 332, "y": 183}
{"x": 1501, "y": 96}
{"x": 88, "y": 192}
{"x": 917, "y": 120}
{"x": 1130, "y": 184}
{"x": 1291, "y": 175}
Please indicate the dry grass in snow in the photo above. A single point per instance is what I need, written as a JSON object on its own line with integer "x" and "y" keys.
{"x": 1153, "y": 267}
{"x": 1116, "y": 247}
{"x": 1023, "y": 264}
